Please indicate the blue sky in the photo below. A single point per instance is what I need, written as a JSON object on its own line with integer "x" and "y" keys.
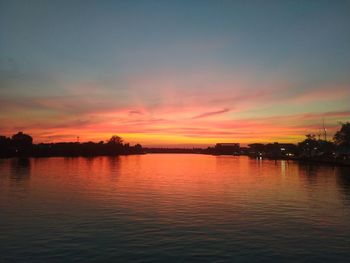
{"x": 155, "y": 56}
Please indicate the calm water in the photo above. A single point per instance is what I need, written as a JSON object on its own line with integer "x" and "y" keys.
{"x": 172, "y": 208}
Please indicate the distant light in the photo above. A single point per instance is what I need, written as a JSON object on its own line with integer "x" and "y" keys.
{"x": 283, "y": 149}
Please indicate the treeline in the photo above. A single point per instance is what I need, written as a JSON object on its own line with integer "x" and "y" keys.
{"x": 21, "y": 145}
{"x": 269, "y": 150}
{"x": 309, "y": 149}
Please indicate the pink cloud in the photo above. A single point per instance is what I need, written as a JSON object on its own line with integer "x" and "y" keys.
{"x": 323, "y": 93}
{"x": 203, "y": 104}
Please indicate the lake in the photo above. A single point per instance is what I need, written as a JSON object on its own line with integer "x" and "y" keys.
{"x": 173, "y": 208}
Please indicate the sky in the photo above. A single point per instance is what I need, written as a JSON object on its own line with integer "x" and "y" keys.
{"x": 174, "y": 73}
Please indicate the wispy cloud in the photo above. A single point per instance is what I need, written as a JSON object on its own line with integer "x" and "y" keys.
{"x": 210, "y": 113}
{"x": 172, "y": 108}
{"x": 135, "y": 112}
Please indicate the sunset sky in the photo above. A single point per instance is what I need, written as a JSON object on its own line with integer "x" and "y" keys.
{"x": 174, "y": 73}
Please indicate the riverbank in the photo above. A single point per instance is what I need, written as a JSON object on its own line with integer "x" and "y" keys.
{"x": 337, "y": 162}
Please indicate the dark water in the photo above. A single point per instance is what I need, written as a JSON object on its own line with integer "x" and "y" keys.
{"x": 173, "y": 208}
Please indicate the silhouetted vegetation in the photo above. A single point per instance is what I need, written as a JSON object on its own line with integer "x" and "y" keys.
{"x": 342, "y": 141}
{"x": 342, "y": 137}
{"x": 273, "y": 150}
{"x": 21, "y": 145}
{"x": 310, "y": 149}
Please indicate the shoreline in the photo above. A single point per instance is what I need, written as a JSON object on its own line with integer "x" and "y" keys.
{"x": 345, "y": 163}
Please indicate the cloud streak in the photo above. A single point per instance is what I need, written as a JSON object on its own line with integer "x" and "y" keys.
{"x": 162, "y": 108}
{"x": 210, "y": 113}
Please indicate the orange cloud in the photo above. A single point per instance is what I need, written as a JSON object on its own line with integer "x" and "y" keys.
{"x": 173, "y": 108}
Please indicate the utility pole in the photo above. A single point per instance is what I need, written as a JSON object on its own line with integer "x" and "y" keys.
{"x": 324, "y": 130}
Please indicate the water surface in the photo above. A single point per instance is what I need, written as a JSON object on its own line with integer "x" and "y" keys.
{"x": 173, "y": 208}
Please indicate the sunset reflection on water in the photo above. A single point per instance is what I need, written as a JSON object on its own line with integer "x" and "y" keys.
{"x": 185, "y": 207}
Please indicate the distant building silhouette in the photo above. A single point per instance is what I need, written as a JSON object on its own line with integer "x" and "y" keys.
{"x": 227, "y": 149}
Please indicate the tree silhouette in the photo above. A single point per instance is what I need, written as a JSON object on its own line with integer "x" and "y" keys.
{"x": 309, "y": 145}
{"x": 115, "y": 139}
{"x": 22, "y": 143}
{"x": 22, "y": 139}
{"x": 342, "y": 137}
